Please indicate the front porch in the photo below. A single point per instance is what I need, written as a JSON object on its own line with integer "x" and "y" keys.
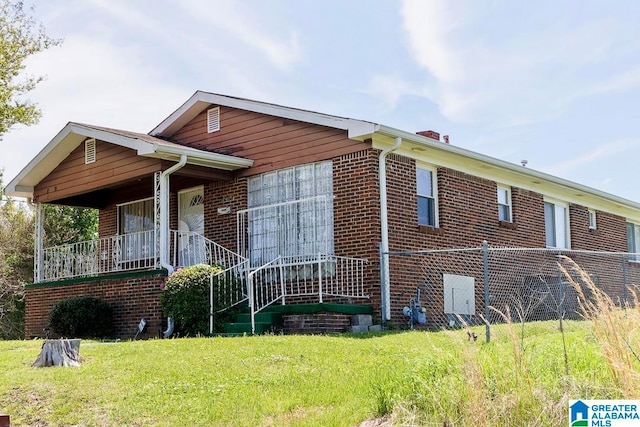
{"x": 295, "y": 278}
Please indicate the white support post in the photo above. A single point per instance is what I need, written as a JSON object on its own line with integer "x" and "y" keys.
{"x": 38, "y": 255}
{"x": 156, "y": 216}
{"x": 320, "y": 276}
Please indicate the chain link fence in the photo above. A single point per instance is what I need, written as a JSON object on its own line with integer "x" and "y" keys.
{"x": 455, "y": 286}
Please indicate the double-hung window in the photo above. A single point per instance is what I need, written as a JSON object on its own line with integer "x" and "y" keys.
{"x": 426, "y": 195}
{"x": 135, "y": 226}
{"x": 633, "y": 240}
{"x": 556, "y": 224}
{"x": 504, "y": 204}
{"x": 291, "y": 213}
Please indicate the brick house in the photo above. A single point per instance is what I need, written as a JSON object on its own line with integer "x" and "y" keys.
{"x": 299, "y": 203}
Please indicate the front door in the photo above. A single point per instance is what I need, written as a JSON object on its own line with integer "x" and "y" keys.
{"x": 191, "y": 241}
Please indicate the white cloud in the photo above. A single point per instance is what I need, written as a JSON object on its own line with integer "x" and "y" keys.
{"x": 91, "y": 82}
{"x": 238, "y": 21}
{"x": 491, "y": 64}
{"x": 389, "y": 88}
{"x": 597, "y": 156}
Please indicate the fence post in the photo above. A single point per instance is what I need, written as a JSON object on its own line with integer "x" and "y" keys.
{"x": 485, "y": 263}
{"x": 561, "y": 291}
{"x": 624, "y": 281}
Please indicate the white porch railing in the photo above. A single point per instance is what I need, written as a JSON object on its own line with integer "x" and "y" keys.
{"x": 134, "y": 251}
{"x": 318, "y": 276}
{"x": 189, "y": 248}
{"x": 106, "y": 255}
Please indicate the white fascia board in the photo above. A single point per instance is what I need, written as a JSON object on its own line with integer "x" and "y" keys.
{"x": 358, "y": 128}
{"x": 458, "y": 158}
{"x": 195, "y": 157}
{"x": 19, "y": 191}
{"x": 102, "y": 135}
{"x": 42, "y": 164}
{"x": 201, "y": 100}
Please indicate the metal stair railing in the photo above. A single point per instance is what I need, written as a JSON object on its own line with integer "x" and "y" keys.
{"x": 305, "y": 275}
{"x": 265, "y": 286}
{"x": 227, "y": 289}
{"x": 191, "y": 248}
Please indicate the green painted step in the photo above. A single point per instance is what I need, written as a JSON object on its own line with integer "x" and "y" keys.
{"x": 264, "y": 316}
{"x": 319, "y": 307}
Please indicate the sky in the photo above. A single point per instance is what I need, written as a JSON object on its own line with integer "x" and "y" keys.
{"x": 556, "y": 83}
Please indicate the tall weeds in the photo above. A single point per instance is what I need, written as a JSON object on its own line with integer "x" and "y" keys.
{"x": 615, "y": 324}
{"x": 523, "y": 377}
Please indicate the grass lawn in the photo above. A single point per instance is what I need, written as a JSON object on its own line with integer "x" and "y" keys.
{"x": 414, "y": 378}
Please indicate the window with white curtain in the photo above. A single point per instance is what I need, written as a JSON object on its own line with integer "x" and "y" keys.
{"x": 135, "y": 216}
{"x": 296, "y": 212}
{"x": 135, "y": 225}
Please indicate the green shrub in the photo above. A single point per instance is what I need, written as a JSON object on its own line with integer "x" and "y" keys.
{"x": 82, "y": 317}
{"x": 185, "y": 298}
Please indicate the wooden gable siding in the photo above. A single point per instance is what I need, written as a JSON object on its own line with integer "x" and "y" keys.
{"x": 271, "y": 142}
{"x": 114, "y": 165}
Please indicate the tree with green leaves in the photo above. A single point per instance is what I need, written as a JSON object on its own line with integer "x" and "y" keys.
{"x": 62, "y": 224}
{"x": 66, "y": 224}
{"x": 16, "y": 264}
{"x": 20, "y": 37}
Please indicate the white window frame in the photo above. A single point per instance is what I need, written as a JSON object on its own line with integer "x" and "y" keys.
{"x": 139, "y": 245}
{"x": 592, "y": 220}
{"x": 433, "y": 197}
{"x": 633, "y": 240}
{"x": 557, "y": 209}
{"x": 502, "y": 189}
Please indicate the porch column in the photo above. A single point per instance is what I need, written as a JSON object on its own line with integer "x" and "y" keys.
{"x": 38, "y": 252}
{"x": 165, "y": 238}
{"x": 156, "y": 217}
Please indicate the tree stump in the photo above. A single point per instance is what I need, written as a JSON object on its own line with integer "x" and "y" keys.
{"x": 59, "y": 353}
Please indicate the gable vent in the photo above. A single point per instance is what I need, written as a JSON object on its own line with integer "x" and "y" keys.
{"x": 89, "y": 151}
{"x": 213, "y": 120}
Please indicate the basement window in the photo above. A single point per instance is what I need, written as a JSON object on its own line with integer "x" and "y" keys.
{"x": 213, "y": 120}
{"x": 89, "y": 151}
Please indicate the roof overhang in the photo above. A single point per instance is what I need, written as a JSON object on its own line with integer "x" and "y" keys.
{"x": 73, "y": 134}
{"x": 431, "y": 151}
{"x": 201, "y": 101}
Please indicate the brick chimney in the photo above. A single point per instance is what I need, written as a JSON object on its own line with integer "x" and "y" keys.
{"x": 430, "y": 134}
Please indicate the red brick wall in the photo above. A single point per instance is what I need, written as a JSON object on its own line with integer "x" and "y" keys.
{"x": 317, "y": 323}
{"x": 108, "y": 221}
{"x": 610, "y": 233}
{"x": 468, "y": 215}
{"x": 356, "y": 210}
{"x": 130, "y": 298}
{"x": 221, "y": 228}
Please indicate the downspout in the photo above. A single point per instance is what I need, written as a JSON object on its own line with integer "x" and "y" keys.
{"x": 164, "y": 213}
{"x": 385, "y": 285}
